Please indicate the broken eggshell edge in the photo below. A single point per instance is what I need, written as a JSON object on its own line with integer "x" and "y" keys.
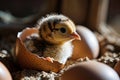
{"x": 29, "y": 60}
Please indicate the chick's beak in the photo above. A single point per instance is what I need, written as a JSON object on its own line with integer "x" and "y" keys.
{"x": 75, "y": 35}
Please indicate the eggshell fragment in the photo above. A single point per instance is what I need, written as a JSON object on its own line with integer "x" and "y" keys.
{"x": 90, "y": 70}
{"x": 88, "y": 46}
{"x": 29, "y": 60}
{"x": 117, "y": 67}
{"x": 4, "y": 73}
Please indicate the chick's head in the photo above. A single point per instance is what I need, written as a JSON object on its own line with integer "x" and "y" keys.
{"x": 57, "y": 29}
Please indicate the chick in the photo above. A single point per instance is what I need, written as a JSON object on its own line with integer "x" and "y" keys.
{"x": 55, "y": 35}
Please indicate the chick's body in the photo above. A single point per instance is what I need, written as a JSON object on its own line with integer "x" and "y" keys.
{"x": 55, "y": 35}
{"x": 59, "y": 53}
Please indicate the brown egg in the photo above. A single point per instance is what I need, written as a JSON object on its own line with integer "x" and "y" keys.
{"x": 117, "y": 67}
{"x": 88, "y": 46}
{"x": 29, "y": 60}
{"x": 90, "y": 70}
{"x": 4, "y": 73}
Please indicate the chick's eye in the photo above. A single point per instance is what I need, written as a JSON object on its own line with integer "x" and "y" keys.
{"x": 63, "y": 30}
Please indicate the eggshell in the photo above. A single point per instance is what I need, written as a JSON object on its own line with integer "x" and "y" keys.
{"x": 29, "y": 60}
{"x": 90, "y": 70}
{"x": 117, "y": 67}
{"x": 4, "y": 73}
{"x": 88, "y": 46}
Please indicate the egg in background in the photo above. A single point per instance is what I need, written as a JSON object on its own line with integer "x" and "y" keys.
{"x": 90, "y": 70}
{"x": 4, "y": 73}
{"x": 88, "y": 46}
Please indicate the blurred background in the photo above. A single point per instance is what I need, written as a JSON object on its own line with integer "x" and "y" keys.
{"x": 21, "y": 13}
{"x": 18, "y": 14}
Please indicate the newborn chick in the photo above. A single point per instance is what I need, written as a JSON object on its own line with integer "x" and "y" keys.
{"x": 56, "y": 33}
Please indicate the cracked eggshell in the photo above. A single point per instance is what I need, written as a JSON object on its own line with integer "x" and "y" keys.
{"x": 117, "y": 67}
{"x": 88, "y": 46}
{"x": 90, "y": 70}
{"x": 4, "y": 73}
{"x": 29, "y": 60}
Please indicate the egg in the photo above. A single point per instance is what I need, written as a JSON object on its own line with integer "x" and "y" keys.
{"x": 90, "y": 70}
{"x": 4, "y": 73}
{"x": 117, "y": 67}
{"x": 88, "y": 46}
{"x": 29, "y": 60}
